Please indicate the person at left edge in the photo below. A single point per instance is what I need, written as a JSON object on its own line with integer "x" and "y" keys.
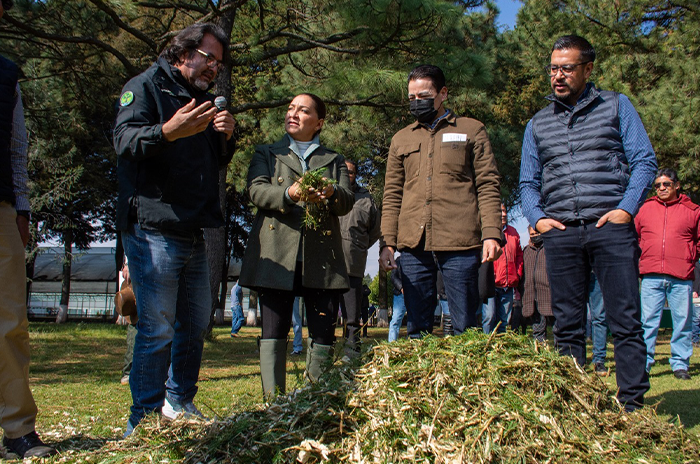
{"x": 284, "y": 259}
{"x": 17, "y": 407}
{"x": 168, "y": 142}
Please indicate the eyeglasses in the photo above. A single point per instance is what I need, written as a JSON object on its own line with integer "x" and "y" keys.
{"x": 566, "y": 69}
{"x": 211, "y": 61}
{"x": 665, "y": 184}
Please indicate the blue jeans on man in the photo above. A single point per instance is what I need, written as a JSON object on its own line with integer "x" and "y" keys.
{"x": 612, "y": 252}
{"x": 237, "y": 318}
{"x": 657, "y": 289}
{"x": 297, "y": 345}
{"x": 599, "y": 328}
{"x": 460, "y": 271}
{"x": 170, "y": 278}
{"x": 444, "y": 307}
{"x": 497, "y": 309}
{"x": 397, "y": 314}
{"x": 696, "y": 322}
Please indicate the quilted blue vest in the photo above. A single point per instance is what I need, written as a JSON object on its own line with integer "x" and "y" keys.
{"x": 584, "y": 168}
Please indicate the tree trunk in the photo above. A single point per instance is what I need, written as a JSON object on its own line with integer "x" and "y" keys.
{"x": 219, "y": 313}
{"x": 216, "y": 255}
{"x": 383, "y": 317}
{"x": 216, "y": 238}
{"x": 31, "y": 259}
{"x": 62, "y": 315}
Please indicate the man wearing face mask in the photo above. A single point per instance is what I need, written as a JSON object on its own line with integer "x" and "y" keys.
{"x": 442, "y": 205}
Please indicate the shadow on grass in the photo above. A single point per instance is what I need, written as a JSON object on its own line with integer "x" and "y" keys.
{"x": 81, "y": 443}
{"x": 678, "y": 403}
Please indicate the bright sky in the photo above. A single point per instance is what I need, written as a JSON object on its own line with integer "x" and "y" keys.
{"x": 509, "y": 8}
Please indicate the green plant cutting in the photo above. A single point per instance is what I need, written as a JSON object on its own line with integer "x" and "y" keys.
{"x": 315, "y": 213}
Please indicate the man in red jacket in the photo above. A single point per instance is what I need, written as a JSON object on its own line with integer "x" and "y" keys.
{"x": 509, "y": 270}
{"x": 668, "y": 226}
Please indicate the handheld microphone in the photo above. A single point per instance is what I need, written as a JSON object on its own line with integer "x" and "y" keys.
{"x": 220, "y": 103}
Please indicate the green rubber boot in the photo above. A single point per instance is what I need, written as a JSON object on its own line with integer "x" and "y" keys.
{"x": 273, "y": 366}
{"x": 317, "y": 359}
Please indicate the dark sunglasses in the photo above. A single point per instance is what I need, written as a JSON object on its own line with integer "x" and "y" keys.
{"x": 665, "y": 184}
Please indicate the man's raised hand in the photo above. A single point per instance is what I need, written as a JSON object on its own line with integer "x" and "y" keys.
{"x": 189, "y": 120}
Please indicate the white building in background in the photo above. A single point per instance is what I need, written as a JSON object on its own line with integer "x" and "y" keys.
{"x": 93, "y": 285}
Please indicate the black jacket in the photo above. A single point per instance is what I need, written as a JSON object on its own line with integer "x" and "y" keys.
{"x": 165, "y": 185}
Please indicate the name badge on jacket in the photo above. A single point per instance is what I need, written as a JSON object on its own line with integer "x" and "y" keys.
{"x": 447, "y": 138}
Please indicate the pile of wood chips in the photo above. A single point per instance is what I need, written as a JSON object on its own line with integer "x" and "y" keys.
{"x": 466, "y": 399}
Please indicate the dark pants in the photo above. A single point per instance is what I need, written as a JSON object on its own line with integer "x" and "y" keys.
{"x": 612, "y": 252}
{"x": 460, "y": 271}
{"x": 350, "y": 304}
{"x": 539, "y": 326}
{"x": 321, "y": 311}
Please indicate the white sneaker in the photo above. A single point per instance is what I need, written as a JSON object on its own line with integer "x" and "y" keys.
{"x": 172, "y": 410}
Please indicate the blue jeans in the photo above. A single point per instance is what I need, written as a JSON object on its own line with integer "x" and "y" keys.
{"x": 397, "y": 314}
{"x": 444, "y": 307}
{"x": 696, "y": 323}
{"x": 460, "y": 271}
{"x": 170, "y": 277}
{"x": 656, "y": 289}
{"x": 599, "y": 328}
{"x": 612, "y": 252}
{"x": 237, "y": 318}
{"x": 497, "y": 309}
{"x": 297, "y": 344}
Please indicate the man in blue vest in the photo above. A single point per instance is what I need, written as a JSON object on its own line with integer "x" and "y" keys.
{"x": 17, "y": 407}
{"x": 587, "y": 165}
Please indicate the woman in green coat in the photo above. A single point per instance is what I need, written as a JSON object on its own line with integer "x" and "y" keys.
{"x": 283, "y": 258}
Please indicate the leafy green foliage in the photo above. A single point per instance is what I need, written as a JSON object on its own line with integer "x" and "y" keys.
{"x": 315, "y": 214}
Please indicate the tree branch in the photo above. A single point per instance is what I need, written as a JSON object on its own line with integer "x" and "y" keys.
{"x": 307, "y": 44}
{"x": 131, "y": 69}
{"x": 117, "y": 20}
{"x": 321, "y": 44}
{"x": 187, "y": 6}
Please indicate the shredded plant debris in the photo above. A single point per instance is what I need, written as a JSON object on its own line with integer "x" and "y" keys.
{"x": 316, "y": 213}
{"x": 466, "y": 399}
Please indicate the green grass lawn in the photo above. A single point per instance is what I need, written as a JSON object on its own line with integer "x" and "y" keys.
{"x": 76, "y": 368}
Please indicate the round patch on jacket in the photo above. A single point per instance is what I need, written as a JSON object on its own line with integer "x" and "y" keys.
{"x": 127, "y": 98}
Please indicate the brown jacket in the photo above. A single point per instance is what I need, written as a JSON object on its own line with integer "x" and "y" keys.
{"x": 443, "y": 182}
{"x": 277, "y": 235}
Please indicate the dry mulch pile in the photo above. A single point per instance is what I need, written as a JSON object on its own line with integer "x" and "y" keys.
{"x": 466, "y": 399}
